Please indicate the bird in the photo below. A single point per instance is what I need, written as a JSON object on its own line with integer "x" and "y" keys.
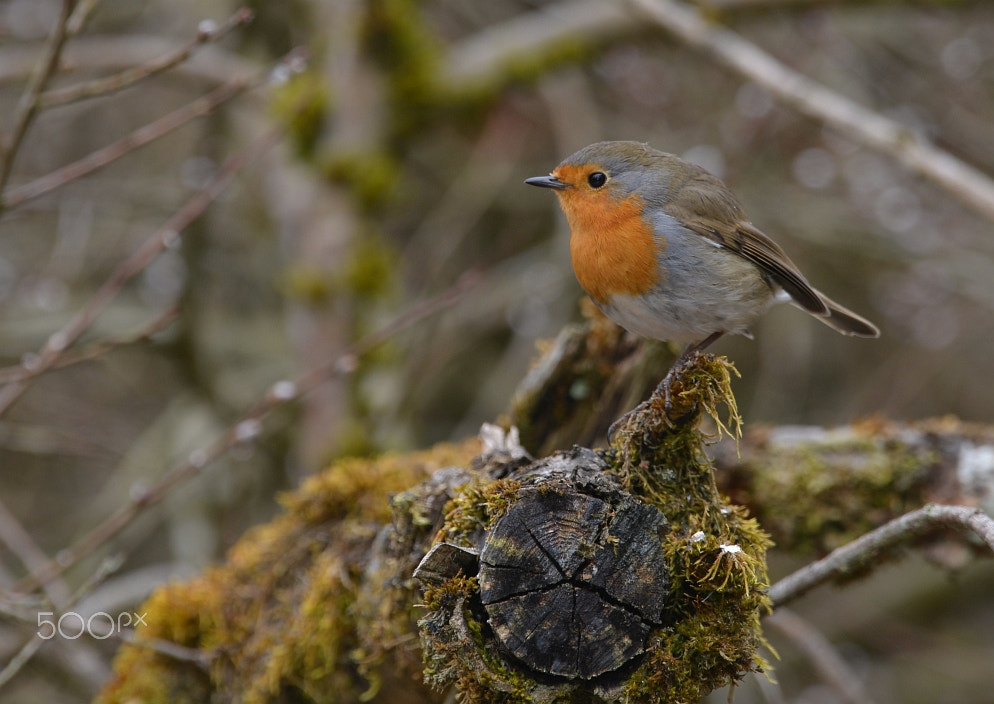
{"x": 665, "y": 250}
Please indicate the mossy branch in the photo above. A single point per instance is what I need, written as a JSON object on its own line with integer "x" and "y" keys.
{"x": 321, "y": 602}
{"x": 634, "y": 544}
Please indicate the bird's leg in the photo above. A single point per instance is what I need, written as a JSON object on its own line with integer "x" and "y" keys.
{"x": 694, "y": 349}
{"x": 663, "y": 387}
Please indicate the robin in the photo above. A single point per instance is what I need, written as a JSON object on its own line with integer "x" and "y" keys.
{"x": 664, "y": 249}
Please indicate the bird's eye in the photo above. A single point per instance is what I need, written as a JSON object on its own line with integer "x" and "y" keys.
{"x": 597, "y": 179}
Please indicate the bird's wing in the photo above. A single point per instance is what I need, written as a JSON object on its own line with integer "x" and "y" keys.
{"x": 747, "y": 240}
{"x": 707, "y": 207}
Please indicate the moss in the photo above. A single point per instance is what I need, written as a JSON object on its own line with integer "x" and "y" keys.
{"x": 370, "y": 271}
{"x": 308, "y": 284}
{"x": 371, "y": 175}
{"x": 409, "y": 52}
{"x": 302, "y": 103}
{"x": 476, "y": 509}
{"x": 829, "y": 492}
{"x": 180, "y": 613}
{"x": 715, "y": 552}
{"x": 295, "y": 613}
{"x": 355, "y": 488}
{"x": 319, "y": 605}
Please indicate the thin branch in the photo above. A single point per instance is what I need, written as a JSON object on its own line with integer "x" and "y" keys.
{"x": 26, "y": 652}
{"x": 62, "y": 339}
{"x": 35, "y": 641}
{"x": 907, "y": 146}
{"x": 114, "y": 53}
{"x": 124, "y": 146}
{"x": 19, "y": 373}
{"x": 28, "y": 105}
{"x": 206, "y": 33}
{"x": 199, "y": 658}
{"x": 855, "y": 556}
{"x": 20, "y": 542}
{"x": 80, "y": 17}
{"x": 832, "y": 668}
{"x": 244, "y": 430}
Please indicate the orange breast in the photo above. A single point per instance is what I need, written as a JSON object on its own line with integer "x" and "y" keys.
{"x": 612, "y": 247}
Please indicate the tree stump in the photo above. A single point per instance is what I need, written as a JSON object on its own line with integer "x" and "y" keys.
{"x": 620, "y": 575}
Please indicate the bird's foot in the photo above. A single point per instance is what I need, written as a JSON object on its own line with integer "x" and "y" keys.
{"x": 672, "y": 413}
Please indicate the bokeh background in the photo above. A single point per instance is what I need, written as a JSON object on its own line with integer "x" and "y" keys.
{"x": 408, "y": 138}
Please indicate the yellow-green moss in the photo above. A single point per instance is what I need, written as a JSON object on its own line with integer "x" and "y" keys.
{"x": 716, "y": 553}
{"x": 306, "y": 283}
{"x": 475, "y": 510}
{"x": 397, "y": 36}
{"x": 302, "y": 103}
{"x": 300, "y": 610}
{"x": 370, "y": 271}
{"x": 294, "y": 608}
{"x": 371, "y": 175}
{"x": 356, "y": 488}
{"x": 827, "y": 493}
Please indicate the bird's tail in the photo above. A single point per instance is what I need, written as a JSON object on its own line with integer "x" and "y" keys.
{"x": 845, "y": 321}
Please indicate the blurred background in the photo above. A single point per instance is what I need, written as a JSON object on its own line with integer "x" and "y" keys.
{"x": 407, "y": 140}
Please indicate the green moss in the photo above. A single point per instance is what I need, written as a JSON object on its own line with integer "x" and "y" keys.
{"x": 476, "y": 508}
{"x": 318, "y": 604}
{"x": 308, "y": 284}
{"x": 295, "y": 613}
{"x": 827, "y": 493}
{"x": 367, "y": 274}
{"x": 302, "y": 103}
{"x": 370, "y": 271}
{"x": 412, "y": 55}
{"x": 355, "y": 488}
{"x": 715, "y": 552}
{"x": 409, "y": 52}
{"x": 370, "y": 175}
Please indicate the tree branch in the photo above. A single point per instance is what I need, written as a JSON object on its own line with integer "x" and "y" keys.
{"x": 206, "y": 33}
{"x": 819, "y": 650}
{"x": 244, "y": 430}
{"x": 910, "y": 148}
{"x": 165, "y": 236}
{"x": 855, "y": 556}
{"x": 124, "y": 146}
{"x": 28, "y": 106}
{"x": 22, "y": 372}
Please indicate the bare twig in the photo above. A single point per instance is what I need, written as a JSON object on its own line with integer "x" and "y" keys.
{"x": 907, "y": 146}
{"x": 60, "y": 340}
{"x": 200, "y": 658}
{"x": 80, "y": 16}
{"x": 21, "y": 658}
{"x": 124, "y": 146}
{"x": 830, "y": 665}
{"x": 35, "y": 641}
{"x": 28, "y": 105}
{"x": 856, "y": 555}
{"x": 98, "y": 349}
{"x": 208, "y": 32}
{"x": 20, "y": 542}
{"x": 243, "y": 430}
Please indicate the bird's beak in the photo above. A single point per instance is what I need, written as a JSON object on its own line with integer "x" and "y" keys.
{"x": 546, "y": 182}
